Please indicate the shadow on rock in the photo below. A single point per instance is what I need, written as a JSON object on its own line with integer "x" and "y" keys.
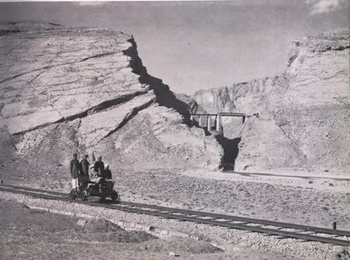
{"x": 164, "y": 96}
{"x": 231, "y": 151}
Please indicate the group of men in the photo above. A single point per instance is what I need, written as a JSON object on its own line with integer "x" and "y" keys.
{"x": 80, "y": 170}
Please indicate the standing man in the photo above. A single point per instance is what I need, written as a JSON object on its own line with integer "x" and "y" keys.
{"x": 99, "y": 166}
{"x": 107, "y": 174}
{"x": 74, "y": 171}
{"x": 84, "y": 167}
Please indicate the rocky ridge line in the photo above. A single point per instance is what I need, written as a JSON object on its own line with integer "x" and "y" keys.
{"x": 58, "y": 96}
{"x": 304, "y": 111}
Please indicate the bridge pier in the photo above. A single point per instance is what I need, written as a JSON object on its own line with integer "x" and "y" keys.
{"x": 209, "y": 123}
{"x": 218, "y": 123}
{"x": 200, "y": 121}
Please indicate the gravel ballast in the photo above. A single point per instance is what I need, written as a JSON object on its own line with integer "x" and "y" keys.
{"x": 227, "y": 239}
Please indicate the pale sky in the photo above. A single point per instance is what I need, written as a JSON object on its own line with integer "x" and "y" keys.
{"x": 199, "y": 45}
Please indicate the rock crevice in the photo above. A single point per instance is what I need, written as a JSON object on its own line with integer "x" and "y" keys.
{"x": 58, "y": 97}
{"x": 304, "y": 112}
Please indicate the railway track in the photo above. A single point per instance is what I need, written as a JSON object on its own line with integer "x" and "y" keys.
{"x": 274, "y": 228}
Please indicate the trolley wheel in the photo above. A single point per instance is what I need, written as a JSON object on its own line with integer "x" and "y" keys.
{"x": 84, "y": 196}
{"x": 103, "y": 198}
{"x": 115, "y": 198}
{"x": 72, "y": 194}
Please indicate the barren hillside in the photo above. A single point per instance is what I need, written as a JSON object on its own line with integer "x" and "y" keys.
{"x": 65, "y": 90}
{"x": 304, "y": 119}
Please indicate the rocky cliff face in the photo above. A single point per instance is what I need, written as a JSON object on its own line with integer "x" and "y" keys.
{"x": 65, "y": 90}
{"x": 305, "y": 113}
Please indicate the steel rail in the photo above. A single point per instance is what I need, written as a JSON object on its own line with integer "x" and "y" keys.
{"x": 218, "y": 216}
{"x": 197, "y": 217}
{"x": 247, "y": 220}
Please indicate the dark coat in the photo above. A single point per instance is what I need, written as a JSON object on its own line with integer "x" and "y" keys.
{"x": 99, "y": 168}
{"x": 84, "y": 164}
{"x": 107, "y": 174}
{"x": 74, "y": 168}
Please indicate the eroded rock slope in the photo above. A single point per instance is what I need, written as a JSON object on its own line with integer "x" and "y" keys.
{"x": 65, "y": 90}
{"x": 304, "y": 119}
